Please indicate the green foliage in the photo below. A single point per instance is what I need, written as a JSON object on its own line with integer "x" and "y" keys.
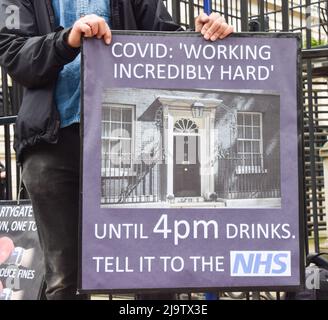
{"x": 317, "y": 43}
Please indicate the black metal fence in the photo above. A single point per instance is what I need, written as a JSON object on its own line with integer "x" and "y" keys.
{"x": 127, "y": 180}
{"x": 248, "y": 177}
{"x": 131, "y": 180}
{"x": 306, "y": 16}
{"x": 10, "y": 98}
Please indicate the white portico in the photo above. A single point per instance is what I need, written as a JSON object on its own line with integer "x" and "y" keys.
{"x": 189, "y": 144}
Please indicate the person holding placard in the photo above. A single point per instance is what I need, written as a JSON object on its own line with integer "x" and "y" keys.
{"x": 40, "y": 48}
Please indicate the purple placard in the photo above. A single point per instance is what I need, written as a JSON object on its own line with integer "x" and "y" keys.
{"x": 190, "y": 163}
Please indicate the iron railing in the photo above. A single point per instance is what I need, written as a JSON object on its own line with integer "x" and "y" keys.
{"x": 305, "y": 16}
{"x": 131, "y": 179}
{"x": 10, "y": 94}
{"x": 134, "y": 180}
{"x": 243, "y": 177}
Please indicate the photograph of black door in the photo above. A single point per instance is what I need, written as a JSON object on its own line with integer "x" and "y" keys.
{"x": 186, "y": 171}
{"x": 184, "y": 149}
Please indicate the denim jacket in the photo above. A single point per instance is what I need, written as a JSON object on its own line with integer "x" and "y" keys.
{"x": 36, "y": 52}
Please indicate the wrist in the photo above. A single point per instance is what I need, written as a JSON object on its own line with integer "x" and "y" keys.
{"x": 72, "y": 40}
{"x": 65, "y": 52}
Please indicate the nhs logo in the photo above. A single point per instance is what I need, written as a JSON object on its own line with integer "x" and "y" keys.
{"x": 260, "y": 264}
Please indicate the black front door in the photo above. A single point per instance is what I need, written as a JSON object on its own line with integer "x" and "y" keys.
{"x": 186, "y": 172}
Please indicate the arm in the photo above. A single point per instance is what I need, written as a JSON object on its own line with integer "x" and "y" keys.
{"x": 32, "y": 60}
{"x": 153, "y": 16}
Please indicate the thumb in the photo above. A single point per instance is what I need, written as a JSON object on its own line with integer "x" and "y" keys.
{"x": 200, "y": 21}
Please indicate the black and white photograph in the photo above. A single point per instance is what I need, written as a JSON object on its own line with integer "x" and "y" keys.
{"x": 190, "y": 149}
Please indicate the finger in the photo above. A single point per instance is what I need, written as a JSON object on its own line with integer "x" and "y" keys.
{"x": 94, "y": 25}
{"x": 200, "y": 21}
{"x": 207, "y": 26}
{"x": 219, "y": 31}
{"x": 215, "y": 36}
{"x": 215, "y": 26}
{"x": 101, "y": 29}
{"x": 228, "y": 31}
{"x": 105, "y": 32}
{"x": 203, "y": 17}
{"x": 218, "y": 23}
{"x": 86, "y": 30}
{"x": 108, "y": 35}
